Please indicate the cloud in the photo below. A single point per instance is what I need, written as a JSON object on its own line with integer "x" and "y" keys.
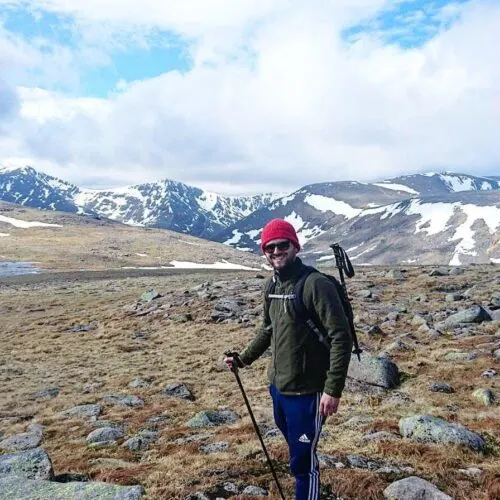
{"x": 275, "y": 96}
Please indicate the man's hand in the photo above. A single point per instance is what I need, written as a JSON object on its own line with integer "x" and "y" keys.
{"x": 328, "y": 405}
{"x": 233, "y": 358}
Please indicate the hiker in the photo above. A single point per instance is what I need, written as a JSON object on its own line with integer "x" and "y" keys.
{"x": 306, "y": 379}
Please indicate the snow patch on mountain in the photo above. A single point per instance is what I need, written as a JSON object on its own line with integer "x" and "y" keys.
{"x": 25, "y": 224}
{"x": 395, "y": 187}
{"x": 327, "y": 204}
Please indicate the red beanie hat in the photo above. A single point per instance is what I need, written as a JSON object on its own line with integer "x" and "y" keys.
{"x": 276, "y": 229}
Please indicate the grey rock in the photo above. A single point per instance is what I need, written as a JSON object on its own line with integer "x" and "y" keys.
{"x": 212, "y": 418}
{"x": 471, "y": 471}
{"x": 490, "y": 373}
{"x": 484, "y": 396}
{"x": 442, "y": 387}
{"x": 475, "y": 314}
{"x": 227, "y": 308}
{"x": 178, "y": 390}
{"x": 429, "y": 429}
{"x": 126, "y": 401}
{"x": 456, "y": 271}
{"x": 375, "y": 371}
{"x": 12, "y": 487}
{"x": 364, "y": 294}
{"x": 19, "y": 442}
{"x": 394, "y": 274}
{"x": 137, "y": 443}
{"x": 49, "y": 393}
{"x": 329, "y": 462}
{"x": 460, "y": 356}
{"x": 102, "y": 444}
{"x": 115, "y": 424}
{"x": 214, "y": 447}
{"x": 104, "y": 434}
{"x": 453, "y": 297}
{"x": 375, "y": 330}
{"x": 438, "y": 272}
{"x": 255, "y": 491}
{"x": 139, "y": 383}
{"x": 92, "y": 387}
{"x": 82, "y": 411}
{"x": 150, "y": 295}
{"x": 30, "y": 464}
{"x": 36, "y": 428}
{"x": 414, "y": 488}
{"x": 88, "y": 327}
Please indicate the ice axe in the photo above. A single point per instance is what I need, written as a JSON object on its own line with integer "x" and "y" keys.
{"x": 237, "y": 363}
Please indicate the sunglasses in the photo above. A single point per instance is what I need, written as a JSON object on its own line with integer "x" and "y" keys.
{"x": 282, "y": 245}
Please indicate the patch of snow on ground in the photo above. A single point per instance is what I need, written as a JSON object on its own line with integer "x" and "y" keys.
{"x": 396, "y": 187}
{"x": 486, "y": 186}
{"x": 326, "y": 257}
{"x": 295, "y": 220}
{"x": 4, "y": 234}
{"x": 25, "y": 224}
{"x": 491, "y": 217}
{"x": 327, "y": 204}
{"x": 177, "y": 264}
{"x": 142, "y": 254}
{"x": 495, "y": 261}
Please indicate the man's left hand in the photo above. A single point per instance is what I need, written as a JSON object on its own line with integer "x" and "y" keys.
{"x": 328, "y": 405}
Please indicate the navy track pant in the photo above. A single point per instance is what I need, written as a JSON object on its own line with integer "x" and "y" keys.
{"x": 299, "y": 420}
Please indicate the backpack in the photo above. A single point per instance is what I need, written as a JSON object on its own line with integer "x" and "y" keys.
{"x": 309, "y": 317}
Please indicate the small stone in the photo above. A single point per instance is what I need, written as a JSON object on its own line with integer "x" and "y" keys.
{"x": 137, "y": 443}
{"x": 254, "y": 491}
{"x": 150, "y": 295}
{"x": 49, "y": 393}
{"x": 489, "y": 373}
{"x": 104, "y": 434}
{"x": 178, "y": 390}
{"x": 82, "y": 411}
{"x": 127, "y": 401}
{"x": 442, "y": 387}
{"x": 138, "y": 383}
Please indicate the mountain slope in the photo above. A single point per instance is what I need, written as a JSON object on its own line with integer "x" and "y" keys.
{"x": 455, "y": 229}
{"x": 318, "y": 208}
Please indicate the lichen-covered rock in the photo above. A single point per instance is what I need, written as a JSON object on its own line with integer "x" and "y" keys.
{"x": 429, "y": 429}
{"x": 214, "y": 447}
{"x": 255, "y": 491}
{"x": 30, "y": 464}
{"x": 376, "y": 371}
{"x": 13, "y": 487}
{"x": 212, "y": 418}
{"x": 18, "y": 442}
{"x": 82, "y": 411}
{"x": 126, "y": 401}
{"x": 475, "y": 314}
{"x": 414, "y": 488}
{"x": 104, "y": 434}
{"x": 485, "y": 396}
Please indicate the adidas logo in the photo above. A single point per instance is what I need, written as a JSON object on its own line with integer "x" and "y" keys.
{"x": 304, "y": 439}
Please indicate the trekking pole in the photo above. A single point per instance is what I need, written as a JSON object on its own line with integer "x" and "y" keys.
{"x": 234, "y": 368}
{"x": 344, "y": 265}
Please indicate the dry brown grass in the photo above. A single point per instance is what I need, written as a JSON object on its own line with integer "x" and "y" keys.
{"x": 39, "y": 352}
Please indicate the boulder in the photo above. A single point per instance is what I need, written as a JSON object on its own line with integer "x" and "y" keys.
{"x": 82, "y": 411}
{"x": 14, "y": 487}
{"x": 18, "y": 442}
{"x": 178, "y": 390}
{"x": 414, "y": 488}
{"x": 212, "y": 418}
{"x": 126, "y": 401}
{"x": 30, "y": 464}
{"x": 429, "y": 429}
{"x": 475, "y": 314}
{"x": 375, "y": 371}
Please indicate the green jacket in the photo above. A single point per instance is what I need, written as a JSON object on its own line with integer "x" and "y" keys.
{"x": 300, "y": 364}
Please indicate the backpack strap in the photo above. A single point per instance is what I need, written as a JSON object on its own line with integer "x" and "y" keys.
{"x": 301, "y": 311}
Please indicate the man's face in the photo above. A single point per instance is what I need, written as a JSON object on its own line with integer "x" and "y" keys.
{"x": 279, "y": 253}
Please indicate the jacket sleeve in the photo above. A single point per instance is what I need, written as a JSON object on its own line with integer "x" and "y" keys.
{"x": 321, "y": 296}
{"x": 262, "y": 340}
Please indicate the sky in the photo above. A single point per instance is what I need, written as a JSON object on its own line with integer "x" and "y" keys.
{"x": 249, "y": 96}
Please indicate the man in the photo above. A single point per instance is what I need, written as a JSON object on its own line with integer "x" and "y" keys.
{"x": 306, "y": 379}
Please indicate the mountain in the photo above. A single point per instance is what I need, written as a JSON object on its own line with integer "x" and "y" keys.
{"x": 318, "y": 208}
{"x": 453, "y": 229}
{"x": 432, "y": 183}
{"x": 26, "y": 186}
{"x": 165, "y": 204}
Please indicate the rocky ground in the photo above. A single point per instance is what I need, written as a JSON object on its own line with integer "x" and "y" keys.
{"x": 116, "y": 388}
